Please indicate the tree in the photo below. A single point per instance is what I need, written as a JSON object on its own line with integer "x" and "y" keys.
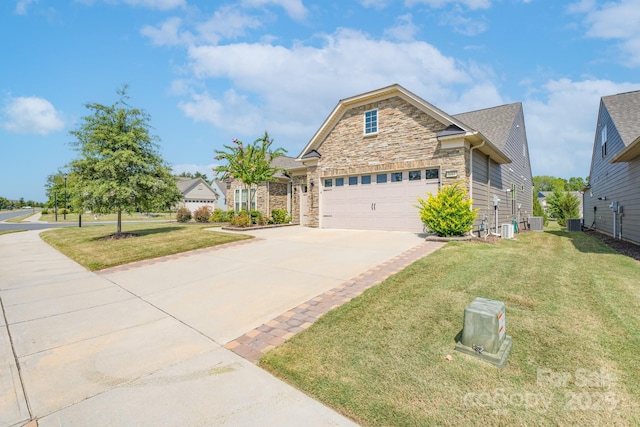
{"x": 538, "y": 210}
{"x": 194, "y": 175}
{"x": 576, "y": 184}
{"x": 563, "y": 206}
{"x": 449, "y": 212}
{"x": 119, "y": 168}
{"x": 251, "y": 164}
{"x": 4, "y": 203}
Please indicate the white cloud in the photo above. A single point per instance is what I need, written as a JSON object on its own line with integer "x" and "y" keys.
{"x": 291, "y": 90}
{"x": 463, "y": 24}
{"x": 157, "y": 4}
{"x": 294, "y": 8}
{"x": 21, "y": 6}
{"x": 31, "y": 115}
{"x": 471, "y": 4}
{"x": 614, "y": 21}
{"x": 227, "y": 23}
{"x": 404, "y": 30}
{"x": 376, "y": 4}
{"x": 168, "y": 33}
{"x": 561, "y": 121}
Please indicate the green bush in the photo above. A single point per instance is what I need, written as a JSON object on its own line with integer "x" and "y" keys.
{"x": 538, "y": 210}
{"x": 258, "y": 218}
{"x": 202, "y": 214}
{"x": 449, "y": 212}
{"x": 563, "y": 206}
{"x": 241, "y": 219}
{"x": 45, "y": 211}
{"x": 183, "y": 215}
{"x": 280, "y": 216}
{"x": 218, "y": 215}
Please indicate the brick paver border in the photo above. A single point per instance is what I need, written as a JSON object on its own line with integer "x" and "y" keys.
{"x": 258, "y": 341}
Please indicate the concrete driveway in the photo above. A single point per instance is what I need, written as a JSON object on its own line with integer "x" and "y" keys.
{"x": 143, "y": 344}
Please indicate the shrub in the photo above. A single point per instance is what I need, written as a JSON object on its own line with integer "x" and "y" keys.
{"x": 183, "y": 215}
{"x": 202, "y": 214}
{"x": 258, "y": 218}
{"x": 538, "y": 210}
{"x": 218, "y": 215}
{"x": 44, "y": 211}
{"x": 563, "y": 206}
{"x": 280, "y": 216}
{"x": 241, "y": 219}
{"x": 449, "y": 212}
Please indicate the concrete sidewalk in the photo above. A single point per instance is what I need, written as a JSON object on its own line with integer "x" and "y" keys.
{"x": 143, "y": 344}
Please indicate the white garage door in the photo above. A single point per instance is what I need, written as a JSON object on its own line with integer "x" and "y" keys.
{"x": 384, "y": 201}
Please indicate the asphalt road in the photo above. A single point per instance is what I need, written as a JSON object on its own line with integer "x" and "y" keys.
{"x": 26, "y": 225}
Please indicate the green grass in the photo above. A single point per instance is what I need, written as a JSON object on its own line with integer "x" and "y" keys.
{"x": 10, "y": 231}
{"x": 20, "y": 218}
{"x": 91, "y": 247}
{"x": 572, "y": 311}
{"x": 88, "y": 218}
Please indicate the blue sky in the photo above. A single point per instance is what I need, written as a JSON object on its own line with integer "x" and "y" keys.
{"x": 210, "y": 71}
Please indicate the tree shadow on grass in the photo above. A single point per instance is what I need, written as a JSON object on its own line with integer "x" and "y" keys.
{"x": 139, "y": 233}
{"x": 595, "y": 242}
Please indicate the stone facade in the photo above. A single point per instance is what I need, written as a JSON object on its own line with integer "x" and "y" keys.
{"x": 406, "y": 139}
{"x": 269, "y": 196}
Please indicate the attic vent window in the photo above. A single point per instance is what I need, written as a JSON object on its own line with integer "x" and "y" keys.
{"x": 603, "y": 140}
{"x": 370, "y": 122}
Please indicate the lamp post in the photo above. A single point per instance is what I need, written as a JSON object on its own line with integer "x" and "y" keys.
{"x": 64, "y": 212}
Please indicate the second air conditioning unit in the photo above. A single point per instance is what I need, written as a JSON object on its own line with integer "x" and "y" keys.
{"x": 506, "y": 231}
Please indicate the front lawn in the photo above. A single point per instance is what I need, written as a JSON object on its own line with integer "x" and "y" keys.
{"x": 572, "y": 311}
{"x": 92, "y": 247}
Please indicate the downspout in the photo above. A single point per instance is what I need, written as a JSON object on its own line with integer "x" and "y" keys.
{"x": 471, "y": 169}
{"x": 471, "y": 172}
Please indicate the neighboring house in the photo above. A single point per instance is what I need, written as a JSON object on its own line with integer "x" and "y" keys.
{"x": 612, "y": 198}
{"x": 196, "y": 193}
{"x": 377, "y": 152}
{"x": 542, "y": 198}
{"x": 220, "y": 187}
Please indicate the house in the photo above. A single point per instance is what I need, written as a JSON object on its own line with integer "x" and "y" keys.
{"x": 378, "y": 151}
{"x": 196, "y": 193}
{"x": 220, "y": 187}
{"x": 612, "y": 199}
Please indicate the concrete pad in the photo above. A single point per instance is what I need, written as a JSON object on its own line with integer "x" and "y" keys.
{"x": 47, "y": 333}
{"x": 13, "y": 406}
{"x": 17, "y": 313}
{"x": 216, "y": 388}
{"x": 86, "y": 368}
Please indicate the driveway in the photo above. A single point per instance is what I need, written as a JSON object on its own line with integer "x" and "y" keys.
{"x": 143, "y": 344}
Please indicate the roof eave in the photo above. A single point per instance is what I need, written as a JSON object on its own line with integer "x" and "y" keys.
{"x": 631, "y": 152}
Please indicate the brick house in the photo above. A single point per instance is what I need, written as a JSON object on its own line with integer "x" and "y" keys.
{"x": 377, "y": 152}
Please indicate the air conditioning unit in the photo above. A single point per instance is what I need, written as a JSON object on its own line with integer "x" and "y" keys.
{"x": 574, "y": 224}
{"x": 536, "y": 223}
{"x": 506, "y": 231}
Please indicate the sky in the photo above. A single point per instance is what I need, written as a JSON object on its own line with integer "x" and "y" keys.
{"x": 210, "y": 71}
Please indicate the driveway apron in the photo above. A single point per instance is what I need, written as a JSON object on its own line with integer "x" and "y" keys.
{"x": 143, "y": 344}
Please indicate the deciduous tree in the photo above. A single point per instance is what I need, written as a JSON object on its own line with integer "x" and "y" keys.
{"x": 119, "y": 167}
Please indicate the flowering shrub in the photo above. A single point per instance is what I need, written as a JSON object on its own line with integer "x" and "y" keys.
{"x": 241, "y": 219}
{"x": 202, "y": 214}
{"x": 183, "y": 215}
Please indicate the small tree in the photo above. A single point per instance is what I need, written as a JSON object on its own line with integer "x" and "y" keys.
{"x": 538, "y": 210}
{"x": 251, "y": 164}
{"x": 119, "y": 167}
{"x": 449, "y": 212}
{"x": 563, "y": 206}
{"x": 202, "y": 214}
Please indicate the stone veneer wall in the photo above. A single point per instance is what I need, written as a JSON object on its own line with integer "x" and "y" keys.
{"x": 406, "y": 139}
{"x": 264, "y": 202}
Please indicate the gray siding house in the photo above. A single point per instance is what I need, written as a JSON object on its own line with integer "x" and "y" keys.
{"x": 612, "y": 198}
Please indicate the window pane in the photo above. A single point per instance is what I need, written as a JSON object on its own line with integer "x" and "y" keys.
{"x": 431, "y": 173}
{"x": 396, "y": 176}
{"x": 371, "y": 121}
{"x": 381, "y": 178}
{"x": 328, "y": 182}
{"x": 365, "y": 179}
{"x": 353, "y": 180}
{"x": 415, "y": 175}
{"x": 339, "y": 182}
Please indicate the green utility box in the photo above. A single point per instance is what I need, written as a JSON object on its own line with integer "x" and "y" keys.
{"x": 484, "y": 333}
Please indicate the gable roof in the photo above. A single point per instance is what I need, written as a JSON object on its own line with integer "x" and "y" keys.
{"x": 455, "y": 127}
{"x": 624, "y": 110}
{"x": 187, "y": 184}
{"x": 495, "y": 123}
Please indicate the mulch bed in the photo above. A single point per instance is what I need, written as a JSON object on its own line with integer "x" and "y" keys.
{"x": 622, "y": 247}
{"x": 118, "y": 236}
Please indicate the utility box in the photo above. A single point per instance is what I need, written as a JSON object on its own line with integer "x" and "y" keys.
{"x": 484, "y": 333}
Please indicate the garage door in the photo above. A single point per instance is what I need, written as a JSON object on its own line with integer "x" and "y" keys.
{"x": 381, "y": 201}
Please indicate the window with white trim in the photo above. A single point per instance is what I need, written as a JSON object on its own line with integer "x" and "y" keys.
{"x": 603, "y": 140}
{"x": 240, "y": 199}
{"x": 371, "y": 122}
